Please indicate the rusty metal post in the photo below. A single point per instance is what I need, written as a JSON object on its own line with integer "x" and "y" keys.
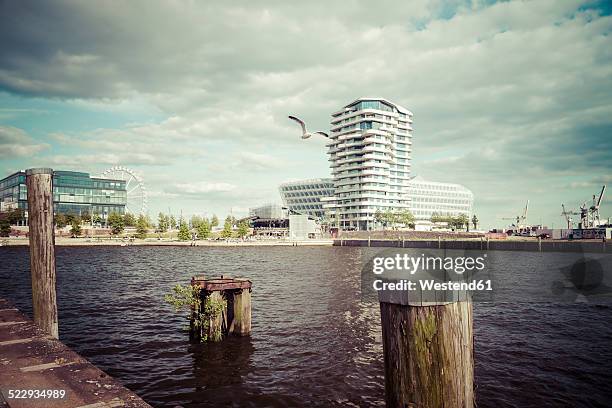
{"x": 39, "y": 184}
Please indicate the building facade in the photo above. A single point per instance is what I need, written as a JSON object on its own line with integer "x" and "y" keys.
{"x": 73, "y": 193}
{"x": 268, "y": 211}
{"x": 369, "y": 153}
{"x": 429, "y": 197}
{"x": 305, "y": 196}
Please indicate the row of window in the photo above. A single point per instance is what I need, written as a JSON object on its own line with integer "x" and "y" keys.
{"x": 310, "y": 193}
{"x": 442, "y": 200}
{"x": 440, "y": 206}
{"x": 379, "y": 105}
{"x": 12, "y": 181}
{"x": 444, "y": 187}
{"x": 417, "y": 193}
{"x": 307, "y": 187}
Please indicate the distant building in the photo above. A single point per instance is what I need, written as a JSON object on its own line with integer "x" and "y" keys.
{"x": 305, "y": 196}
{"x": 301, "y": 226}
{"x": 429, "y": 197}
{"x": 268, "y": 211}
{"x": 273, "y": 220}
{"x": 369, "y": 150}
{"x": 73, "y": 193}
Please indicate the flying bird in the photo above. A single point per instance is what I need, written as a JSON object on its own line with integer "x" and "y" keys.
{"x": 305, "y": 133}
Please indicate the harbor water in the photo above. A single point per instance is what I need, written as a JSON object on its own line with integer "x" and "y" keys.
{"x": 315, "y": 341}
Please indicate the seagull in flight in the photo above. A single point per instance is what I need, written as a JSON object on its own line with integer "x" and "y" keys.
{"x": 305, "y": 133}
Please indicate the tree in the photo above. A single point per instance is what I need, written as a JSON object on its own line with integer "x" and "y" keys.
{"x": 385, "y": 218}
{"x": 71, "y": 217}
{"x": 14, "y": 216}
{"x": 75, "y": 229}
{"x": 195, "y": 221}
{"x": 172, "y": 222}
{"x": 86, "y": 217}
{"x": 462, "y": 220}
{"x": 389, "y": 218}
{"x": 183, "y": 233}
{"x": 116, "y": 222}
{"x": 378, "y": 217}
{"x": 60, "y": 220}
{"x": 475, "y": 221}
{"x": 435, "y": 217}
{"x": 96, "y": 219}
{"x": 214, "y": 222}
{"x": 227, "y": 228}
{"x": 129, "y": 220}
{"x": 162, "y": 222}
{"x": 142, "y": 227}
{"x": 405, "y": 217}
{"x": 203, "y": 229}
{"x": 243, "y": 229}
{"x": 5, "y": 227}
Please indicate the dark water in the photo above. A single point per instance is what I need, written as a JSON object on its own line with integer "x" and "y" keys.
{"x": 314, "y": 342}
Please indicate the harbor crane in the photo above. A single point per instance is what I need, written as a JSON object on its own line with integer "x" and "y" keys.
{"x": 520, "y": 220}
{"x": 568, "y": 216}
{"x": 595, "y": 207}
{"x": 589, "y": 216}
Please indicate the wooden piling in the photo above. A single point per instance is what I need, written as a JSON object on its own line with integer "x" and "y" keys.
{"x": 540, "y": 244}
{"x": 235, "y": 316}
{"x": 428, "y": 353}
{"x": 241, "y": 322}
{"x": 39, "y": 184}
{"x": 217, "y": 324}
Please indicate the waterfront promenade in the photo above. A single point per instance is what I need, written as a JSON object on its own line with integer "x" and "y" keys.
{"x": 64, "y": 241}
{"x": 55, "y": 375}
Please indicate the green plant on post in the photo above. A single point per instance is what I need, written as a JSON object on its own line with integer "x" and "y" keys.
{"x": 189, "y": 298}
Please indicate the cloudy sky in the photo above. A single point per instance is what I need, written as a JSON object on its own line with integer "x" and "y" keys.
{"x": 511, "y": 99}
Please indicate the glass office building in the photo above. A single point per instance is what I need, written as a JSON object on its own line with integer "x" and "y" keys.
{"x": 305, "y": 196}
{"x": 268, "y": 211}
{"x": 73, "y": 193}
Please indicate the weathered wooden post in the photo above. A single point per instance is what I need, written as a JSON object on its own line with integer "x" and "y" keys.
{"x": 540, "y": 244}
{"x": 428, "y": 349}
{"x": 39, "y": 183}
{"x": 235, "y": 315}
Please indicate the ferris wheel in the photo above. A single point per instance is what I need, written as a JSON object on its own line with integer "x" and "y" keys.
{"x": 134, "y": 185}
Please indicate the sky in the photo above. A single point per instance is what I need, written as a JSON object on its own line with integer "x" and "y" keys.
{"x": 511, "y": 99}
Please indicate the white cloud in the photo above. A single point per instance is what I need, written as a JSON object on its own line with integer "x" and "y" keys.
{"x": 513, "y": 97}
{"x": 203, "y": 187}
{"x": 17, "y": 143}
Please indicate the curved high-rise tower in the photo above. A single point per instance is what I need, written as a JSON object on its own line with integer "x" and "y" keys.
{"x": 369, "y": 151}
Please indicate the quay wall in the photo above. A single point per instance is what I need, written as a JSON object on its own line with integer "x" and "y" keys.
{"x": 593, "y": 246}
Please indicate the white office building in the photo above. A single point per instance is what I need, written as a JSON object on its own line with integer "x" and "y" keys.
{"x": 369, "y": 154}
{"x": 429, "y": 197}
{"x": 304, "y": 196}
